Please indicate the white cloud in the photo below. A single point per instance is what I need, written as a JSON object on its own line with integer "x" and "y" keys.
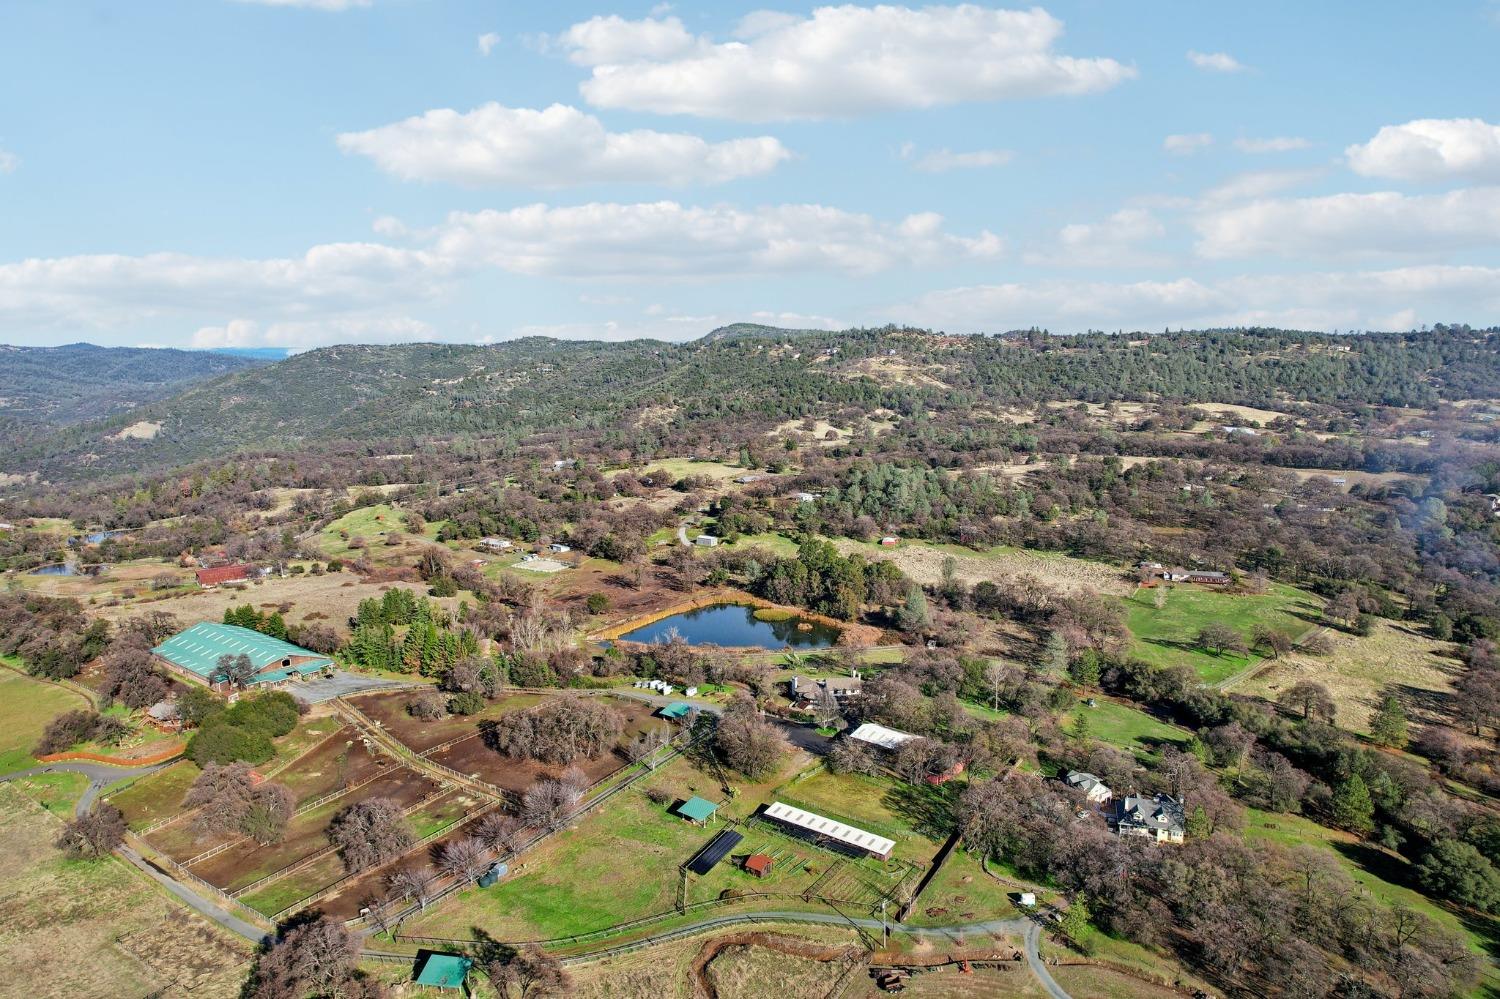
{"x": 1353, "y": 224}
{"x": 487, "y": 42}
{"x": 1258, "y": 184}
{"x": 1184, "y": 145}
{"x": 8, "y": 161}
{"x": 944, "y": 160}
{"x": 1115, "y": 241}
{"x": 1386, "y": 299}
{"x": 333, "y": 5}
{"x": 1274, "y": 144}
{"x": 103, "y": 290}
{"x": 303, "y": 335}
{"x": 554, "y": 147}
{"x": 1431, "y": 149}
{"x": 665, "y": 239}
{"x": 1215, "y": 62}
{"x": 838, "y": 61}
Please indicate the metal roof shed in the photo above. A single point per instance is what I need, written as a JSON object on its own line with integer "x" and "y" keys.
{"x": 676, "y": 710}
{"x": 697, "y": 809}
{"x": 444, "y": 971}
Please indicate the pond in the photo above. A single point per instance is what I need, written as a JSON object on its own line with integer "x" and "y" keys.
{"x": 57, "y": 569}
{"x": 735, "y": 626}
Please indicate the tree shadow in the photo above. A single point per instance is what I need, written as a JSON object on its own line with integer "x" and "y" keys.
{"x": 1380, "y": 864}
{"x": 486, "y": 948}
{"x": 931, "y": 810}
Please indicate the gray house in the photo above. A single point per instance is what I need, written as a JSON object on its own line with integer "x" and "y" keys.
{"x": 1159, "y": 818}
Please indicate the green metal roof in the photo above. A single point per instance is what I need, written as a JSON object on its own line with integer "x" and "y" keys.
{"x": 676, "y": 709}
{"x": 446, "y": 971}
{"x": 696, "y": 808}
{"x": 198, "y": 649}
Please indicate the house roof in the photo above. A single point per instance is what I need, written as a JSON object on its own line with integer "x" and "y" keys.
{"x": 1085, "y": 781}
{"x": 677, "y": 709}
{"x": 812, "y": 822}
{"x": 223, "y": 574}
{"x": 696, "y": 808}
{"x": 1163, "y": 812}
{"x": 198, "y": 649}
{"x": 879, "y": 735}
{"x": 445, "y": 971}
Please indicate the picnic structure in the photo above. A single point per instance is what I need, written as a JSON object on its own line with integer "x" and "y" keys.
{"x": 697, "y": 810}
{"x": 838, "y": 836}
{"x": 195, "y": 653}
{"x": 444, "y": 971}
{"x": 676, "y": 710}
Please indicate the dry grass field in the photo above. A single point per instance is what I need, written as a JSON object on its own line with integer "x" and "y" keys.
{"x": 924, "y": 563}
{"x": 78, "y": 928}
{"x": 1419, "y": 668}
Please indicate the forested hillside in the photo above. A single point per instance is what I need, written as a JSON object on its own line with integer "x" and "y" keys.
{"x": 70, "y": 384}
{"x": 757, "y": 374}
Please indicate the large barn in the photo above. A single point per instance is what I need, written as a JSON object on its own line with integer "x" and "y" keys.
{"x": 195, "y": 653}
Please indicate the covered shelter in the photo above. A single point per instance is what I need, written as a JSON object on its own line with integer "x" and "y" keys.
{"x": 881, "y": 737}
{"x": 443, "y": 971}
{"x": 697, "y": 809}
{"x": 717, "y": 849}
{"x": 676, "y": 711}
{"x": 840, "y": 835}
{"x": 195, "y": 654}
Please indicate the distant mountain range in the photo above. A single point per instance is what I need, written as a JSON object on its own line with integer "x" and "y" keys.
{"x": 84, "y": 412}
{"x": 59, "y": 386}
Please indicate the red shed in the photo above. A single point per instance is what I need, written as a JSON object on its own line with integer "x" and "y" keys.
{"x": 758, "y": 864}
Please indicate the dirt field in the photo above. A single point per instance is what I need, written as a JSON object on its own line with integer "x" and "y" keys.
{"x": 331, "y": 599}
{"x": 1420, "y": 669}
{"x": 924, "y": 563}
{"x": 342, "y": 761}
{"x": 473, "y": 757}
{"x": 389, "y": 709}
{"x": 85, "y": 929}
{"x": 1354, "y": 477}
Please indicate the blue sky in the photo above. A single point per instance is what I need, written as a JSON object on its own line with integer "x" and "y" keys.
{"x": 301, "y": 172}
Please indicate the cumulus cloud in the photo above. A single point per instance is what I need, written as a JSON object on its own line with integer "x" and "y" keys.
{"x": 102, "y": 290}
{"x": 1353, "y": 224}
{"x": 1274, "y": 144}
{"x": 1431, "y": 149}
{"x": 666, "y": 239}
{"x": 1215, "y": 62}
{"x": 1185, "y": 145}
{"x": 553, "y": 147}
{"x": 838, "y": 61}
{"x": 1384, "y": 299}
{"x": 303, "y": 335}
{"x": 1115, "y": 241}
{"x": 944, "y": 160}
{"x": 487, "y": 42}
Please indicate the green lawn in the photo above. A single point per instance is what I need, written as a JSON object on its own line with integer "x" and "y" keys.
{"x": 370, "y": 523}
{"x": 1126, "y": 728}
{"x": 26, "y": 706}
{"x": 57, "y": 793}
{"x": 1165, "y": 637}
{"x": 156, "y": 796}
{"x": 878, "y": 805}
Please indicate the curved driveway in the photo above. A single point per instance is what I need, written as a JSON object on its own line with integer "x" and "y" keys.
{"x": 100, "y": 776}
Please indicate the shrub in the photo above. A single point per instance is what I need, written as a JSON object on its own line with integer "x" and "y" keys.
{"x": 470, "y": 702}
{"x": 72, "y": 727}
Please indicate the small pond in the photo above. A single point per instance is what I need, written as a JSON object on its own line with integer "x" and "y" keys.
{"x": 735, "y": 626}
{"x": 57, "y": 569}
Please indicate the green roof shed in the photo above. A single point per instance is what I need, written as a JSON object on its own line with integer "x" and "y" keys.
{"x": 676, "y": 710}
{"x": 444, "y": 971}
{"x": 697, "y": 809}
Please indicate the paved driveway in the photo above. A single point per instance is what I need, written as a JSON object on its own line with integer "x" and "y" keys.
{"x": 318, "y": 690}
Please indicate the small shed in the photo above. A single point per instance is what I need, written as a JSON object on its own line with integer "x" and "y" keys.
{"x": 498, "y": 870}
{"x": 676, "y": 710}
{"x": 706, "y": 541}
{"x": 1027, "y": 899}
{"x": 444, "y": 971}
{"x": 697, "y": 809}
{"x": 758, "y": 864}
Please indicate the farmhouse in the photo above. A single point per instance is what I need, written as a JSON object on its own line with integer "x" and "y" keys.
{"x": 219, "y": 574}
{"x": 195, "y": 653}
{"x": 1203, "y": 577}
{"x": 1159, "y": 818}
{"x": 827, "y": 832}
{"x": 804, "y": 690}
{"x": 881, "y": 737}
{"x": 495, "y": 544}
{"x": 1094, "y": 789}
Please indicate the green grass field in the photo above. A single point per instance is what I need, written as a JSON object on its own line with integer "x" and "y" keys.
{"x": 1165, "y": 637}
{"x": 1382, "y": 875}
{"x": 370, "y": 523}
{"x": 26, "y": 706}
{"x": 1126, "y": 728}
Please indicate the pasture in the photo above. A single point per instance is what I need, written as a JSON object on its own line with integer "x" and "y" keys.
{"x": 1167, "y": 637}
